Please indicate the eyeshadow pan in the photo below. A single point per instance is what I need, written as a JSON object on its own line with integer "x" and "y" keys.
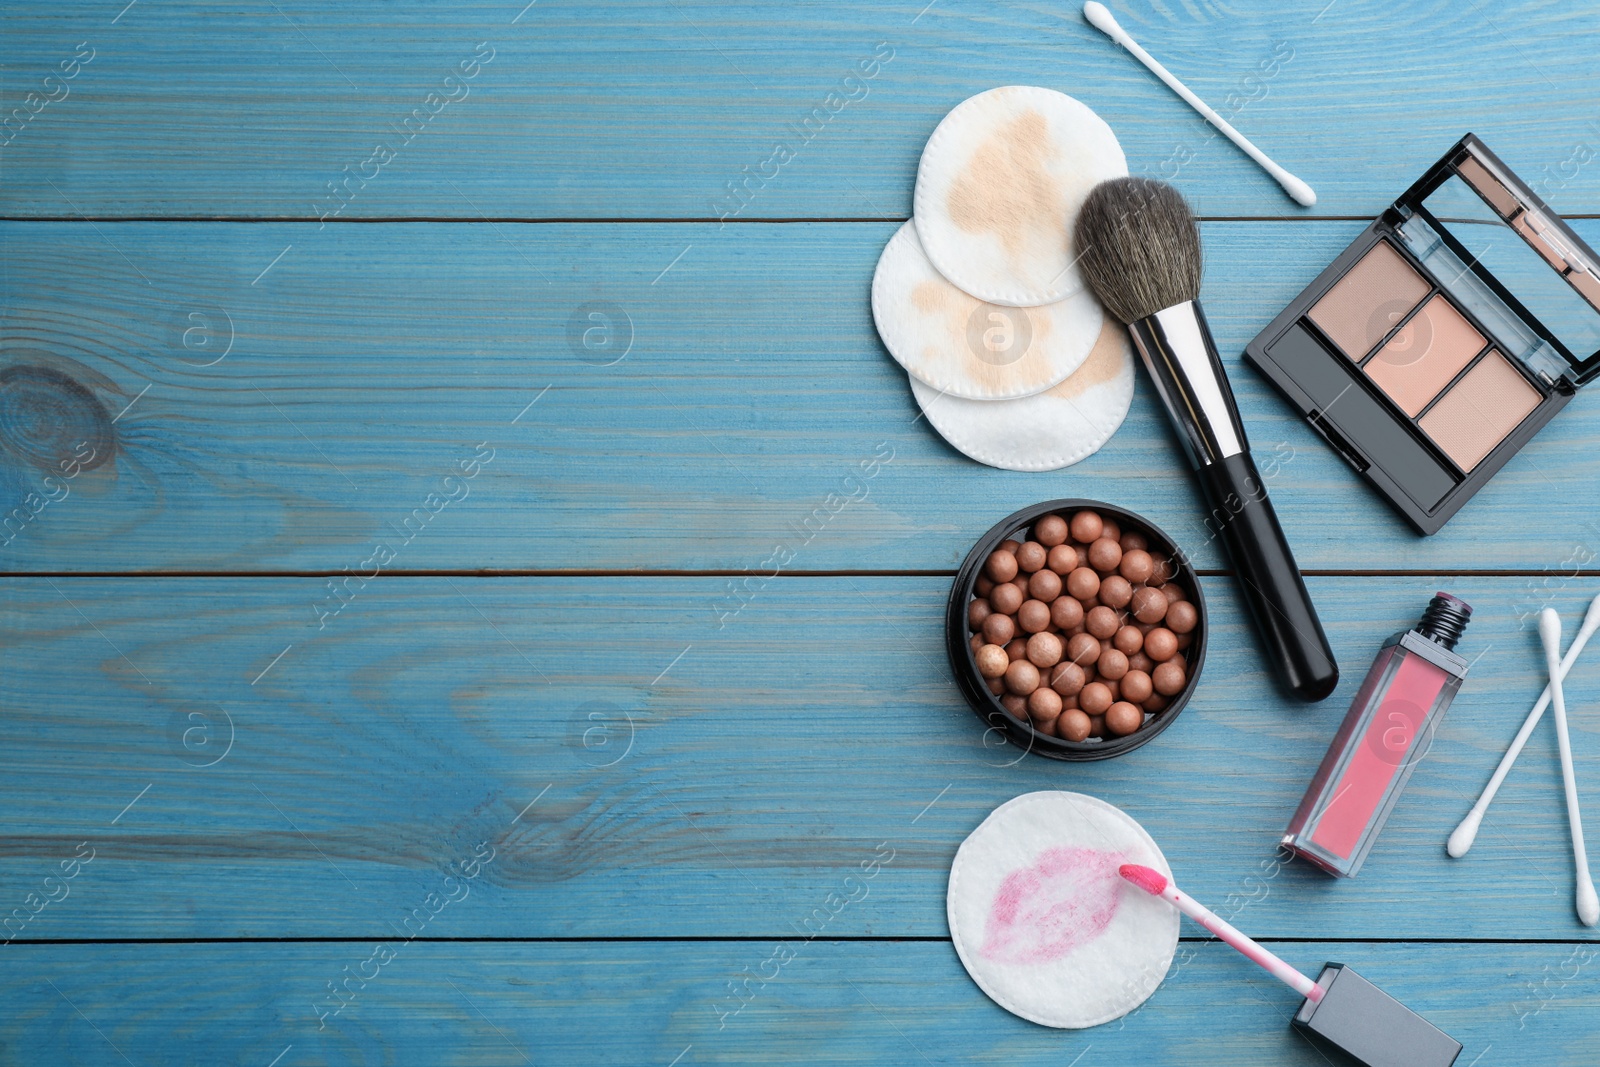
{"x": 1425, "y": 355}
{"x": 1365, "y": 304}
{"x": 1480, "y": 410}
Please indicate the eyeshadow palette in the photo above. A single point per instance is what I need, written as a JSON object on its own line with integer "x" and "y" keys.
{"x": 1444, "y": 337}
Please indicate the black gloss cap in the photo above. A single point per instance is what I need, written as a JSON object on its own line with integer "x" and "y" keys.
{"x": 1371, "y": 1027}
{"x": 1444, "y": 619}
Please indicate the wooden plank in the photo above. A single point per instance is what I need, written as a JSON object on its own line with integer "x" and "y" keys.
{"x": 645, "y": 110}
{"x": 280, "y": 399}
{"x": 641, "y": 772}
{"x": 670, "y": 1003}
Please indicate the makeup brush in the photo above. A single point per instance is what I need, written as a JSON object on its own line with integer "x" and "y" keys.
{"x": 1102, "y": 20}
{"x": 1462, "y": 837}
{"x": 1550, "y": 636}
{"x": 1139, "y": 248}
{"x": 1341, "y": 1009}
{"x": 1159, "y": 885}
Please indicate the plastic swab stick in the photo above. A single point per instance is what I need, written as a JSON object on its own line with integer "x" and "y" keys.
{"x": 1550, "y": 635}
{"x": 1102, "y": 19}
{"x": 1462, "y": 837}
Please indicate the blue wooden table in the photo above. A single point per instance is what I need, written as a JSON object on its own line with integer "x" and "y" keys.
{"x": 379, "y": 690}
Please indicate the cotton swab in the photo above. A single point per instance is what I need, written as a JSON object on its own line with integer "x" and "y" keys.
{"x": 1102, "y": 19}
{"x": 1462, "y": 837}
{"x": 1550, "y": 635}
{"x": 1159, "y": 885}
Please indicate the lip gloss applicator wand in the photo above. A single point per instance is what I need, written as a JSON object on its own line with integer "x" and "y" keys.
{"x": 1341, "y": 1009}
{"x": 1159, "y": 885}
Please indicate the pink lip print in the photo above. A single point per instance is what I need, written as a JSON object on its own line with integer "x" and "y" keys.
{"x": 1063, "y": 901}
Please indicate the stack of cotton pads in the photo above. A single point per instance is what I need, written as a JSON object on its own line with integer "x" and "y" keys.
{"x": 978, "y": 297}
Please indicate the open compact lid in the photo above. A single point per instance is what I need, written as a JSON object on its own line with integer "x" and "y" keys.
{"x": 1504, "y": 255}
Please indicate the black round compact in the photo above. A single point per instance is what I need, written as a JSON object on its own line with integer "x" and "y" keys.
{"x": 967, "y": 611}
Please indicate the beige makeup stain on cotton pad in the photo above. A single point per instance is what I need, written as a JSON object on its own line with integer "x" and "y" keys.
{"x": 999, "y": 187}
{"x": 1044, "y": 432}
{"x": 967, "y": 348}
{"x": 1041, "y": 919}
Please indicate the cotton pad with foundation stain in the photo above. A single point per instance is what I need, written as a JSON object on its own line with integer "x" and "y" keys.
{"x": 1040, "y": 920}
{"x": 964, "y": 347}
{"x": 999, "y": 187}
{"x": 1056, "y": 428}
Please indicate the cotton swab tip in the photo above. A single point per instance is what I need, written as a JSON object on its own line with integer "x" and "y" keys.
{"x": 1463, "y": 836}
{"x": 1298, "y": 191}
{"x": 1550, "y": 633}
{"x": 1153, "y": 882}
{"x": 1588, "y": 903}
{"x": 1591, "y": 618}
{"x": 1098, "y": 16}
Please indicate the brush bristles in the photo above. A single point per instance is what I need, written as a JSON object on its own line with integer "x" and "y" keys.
{"x": 1139, "y": 247}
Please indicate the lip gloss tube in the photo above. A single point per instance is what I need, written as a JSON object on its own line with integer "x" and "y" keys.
{"x": 1385, "y": 733}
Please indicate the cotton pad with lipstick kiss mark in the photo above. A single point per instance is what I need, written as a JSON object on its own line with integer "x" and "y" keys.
{"x": 999, "y": 186}
{"x": 1043, "y": 922}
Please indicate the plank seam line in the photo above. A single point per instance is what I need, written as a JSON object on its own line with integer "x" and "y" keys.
{"x": 555, "y": 220}
{"x": 742, "y": 939}
{"x": 622, "y": 573}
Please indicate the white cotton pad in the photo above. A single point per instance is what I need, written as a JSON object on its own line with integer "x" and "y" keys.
{"x": 1056, "y": 428}
{"x": 964, "y": 347}
{"x": 999, "y": 188}
{"x": 1043, "y": 922}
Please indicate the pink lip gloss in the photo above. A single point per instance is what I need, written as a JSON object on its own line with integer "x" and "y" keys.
{"x": 1385, "y": 733}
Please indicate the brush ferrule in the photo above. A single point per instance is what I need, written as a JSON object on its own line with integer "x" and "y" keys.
{"x": 1176, "y": 346}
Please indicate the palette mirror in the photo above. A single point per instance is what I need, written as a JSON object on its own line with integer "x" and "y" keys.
{"x": 1525, "y": 275}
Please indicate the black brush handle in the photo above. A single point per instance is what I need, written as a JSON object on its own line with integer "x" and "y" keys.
{"x": 1181, "y": 356}
{"x": 1241, "y": 515}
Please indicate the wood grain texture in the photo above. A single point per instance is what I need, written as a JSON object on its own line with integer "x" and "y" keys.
{"x": 655, "y": 1003}
{"x": 642, "y": 110}
{"x": 234, "y": 395}
{"x": 641, "y": 772}
{"x": 288, "y": 412}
